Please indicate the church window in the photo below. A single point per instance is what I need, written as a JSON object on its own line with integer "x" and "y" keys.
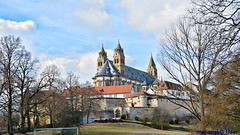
{"x": 117, "y": 60}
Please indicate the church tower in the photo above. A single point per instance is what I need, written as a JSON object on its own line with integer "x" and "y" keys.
{"x": 119, "y": 59}
{"x": 102, "y": 58}
{"x": 152, "y": 68}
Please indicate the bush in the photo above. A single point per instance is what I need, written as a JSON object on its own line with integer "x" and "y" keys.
{"x": 177, "y": 121}
{"x": 171, "y": 121}
{"x": 123, "y": 117}
{"x": 145, "y": 120}
{"x": 127, "y": 115}
{"x": 187, "y": 121}
{"x": 137, "y": 118}
{"x": 160, "y": 118}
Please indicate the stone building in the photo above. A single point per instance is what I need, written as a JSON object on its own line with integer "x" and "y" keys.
{"x": 115, "y": 72}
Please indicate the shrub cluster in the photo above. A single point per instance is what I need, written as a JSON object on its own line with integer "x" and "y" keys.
{"x": 108, "y": 120}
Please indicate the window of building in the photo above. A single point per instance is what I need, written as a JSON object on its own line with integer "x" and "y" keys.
{"x": 117, "y": 60}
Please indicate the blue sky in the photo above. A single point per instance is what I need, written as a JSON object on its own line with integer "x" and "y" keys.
{"x": 69, "y": 33}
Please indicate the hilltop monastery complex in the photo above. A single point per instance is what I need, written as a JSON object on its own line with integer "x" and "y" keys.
{"x": 120, "y": 89}
{"x": 123, "y": 89}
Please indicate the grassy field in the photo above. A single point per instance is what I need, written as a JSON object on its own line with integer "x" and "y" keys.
{"x": 124, "y": 129}
{"x": 121, "y": 128}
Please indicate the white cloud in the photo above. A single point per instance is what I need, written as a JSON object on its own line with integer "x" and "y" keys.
{"x": 25, "y": 30}
{"x": 152, "y": 16}
{"x": 91, "y": 14}
{"x": 83, "y": 64}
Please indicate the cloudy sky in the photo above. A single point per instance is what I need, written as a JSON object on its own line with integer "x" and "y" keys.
{"x": 69, "y": 33}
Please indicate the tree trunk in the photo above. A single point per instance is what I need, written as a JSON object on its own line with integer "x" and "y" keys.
{"x": 89, "y": 111}
{"x": 28, "y": 119}
{"x": 22, "y": 117}
{"x": 10, "y": 126}
{"x": 22, "y": 123}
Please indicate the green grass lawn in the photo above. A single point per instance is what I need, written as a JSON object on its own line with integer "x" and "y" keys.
{"x": 124, "y": 129}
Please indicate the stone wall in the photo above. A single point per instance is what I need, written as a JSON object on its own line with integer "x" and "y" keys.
{"x": 173, "y": 109}
{"x": 110, "y": 103}
{"x": 140, "y": 112}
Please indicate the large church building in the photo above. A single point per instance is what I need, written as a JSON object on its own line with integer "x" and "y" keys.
{"x": 115, "y": 72}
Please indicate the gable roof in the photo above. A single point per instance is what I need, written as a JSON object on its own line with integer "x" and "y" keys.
{"x": 156, "y": 82}
{"x": 108, "y": 69}
{"x": 121, "y": 89}
{"x": 137, "y": 94}
{"x": 170, "y": 85}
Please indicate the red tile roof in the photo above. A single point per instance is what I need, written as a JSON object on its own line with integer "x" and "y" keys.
{"x": 114, "y": 89}
{"x": 170, "y": 85}
{"x": 135, "y": 94}
{"x": 121, "y": 89}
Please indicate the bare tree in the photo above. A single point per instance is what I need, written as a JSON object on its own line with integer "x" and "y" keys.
{"x": 30, "y": 96}
{"x": 9, "y": 63}
{"x": 82, "y": 98}
{"x": 92, "y": 105}
{"x": 25, "y": 77}
{"x": 54, "y": 84}
{"x": 190, "y": 53}
{"x": 71, "y": 85}
{"x": 225, "y": 14}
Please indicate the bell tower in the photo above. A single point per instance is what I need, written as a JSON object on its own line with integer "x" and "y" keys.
{"x": 102, "y": 58}
{"x": 119, "y": 59}
{"x": 152, "y": 68}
